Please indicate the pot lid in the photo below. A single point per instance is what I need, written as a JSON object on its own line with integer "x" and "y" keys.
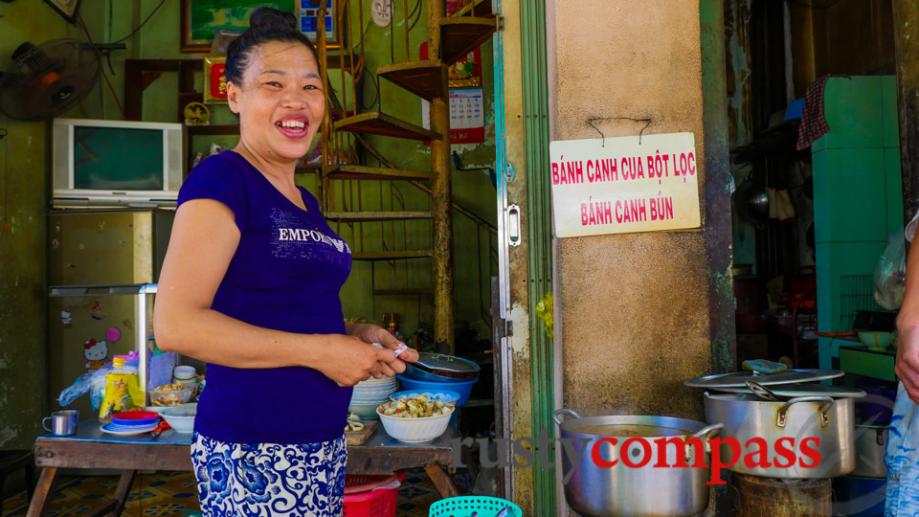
{"x": 739, "y": 379}
{"x": 800, "y": 390}
{"x": 447, "y": 363}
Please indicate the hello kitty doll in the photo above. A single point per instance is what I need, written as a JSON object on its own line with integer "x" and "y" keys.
{"x": 95, "y": 353}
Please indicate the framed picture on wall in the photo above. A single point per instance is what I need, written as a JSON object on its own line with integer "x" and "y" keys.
{"x": 201, "y": 19}
{"x": 66, "y": 8}
{"x": 215, "y": 81}
{"x": 309, "y": 20}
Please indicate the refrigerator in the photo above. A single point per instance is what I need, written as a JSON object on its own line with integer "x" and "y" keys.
{"x": 98, "y": 247}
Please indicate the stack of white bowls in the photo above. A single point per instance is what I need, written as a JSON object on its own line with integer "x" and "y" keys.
{"x": 369, "y": 394}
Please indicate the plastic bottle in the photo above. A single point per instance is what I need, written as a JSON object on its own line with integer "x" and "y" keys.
{"x": 122, "y": 389}
{"x": 393, "y": 331}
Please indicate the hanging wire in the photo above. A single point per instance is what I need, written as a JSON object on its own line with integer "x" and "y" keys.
{"x": 375, "y": 79}
{"x": 139, "y": 27}
{"x": 101, "y": 68}
{"x": 416, "y": 14}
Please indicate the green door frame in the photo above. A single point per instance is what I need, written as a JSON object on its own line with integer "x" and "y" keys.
{"x": 539, "y": 232}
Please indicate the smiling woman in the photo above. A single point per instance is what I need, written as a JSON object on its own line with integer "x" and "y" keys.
{"x": 275, "y": 87}
{"x": 261, "y": 306}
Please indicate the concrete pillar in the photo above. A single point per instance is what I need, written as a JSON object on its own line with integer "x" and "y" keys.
{"x": 638, "y": 310}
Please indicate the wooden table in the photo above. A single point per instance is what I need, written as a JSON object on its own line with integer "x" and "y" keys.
{"x": 90, "y": 448}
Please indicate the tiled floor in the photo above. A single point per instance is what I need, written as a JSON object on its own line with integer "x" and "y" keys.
{"x": 172, "y": 494}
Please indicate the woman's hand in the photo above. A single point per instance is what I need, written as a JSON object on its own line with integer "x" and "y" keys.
{"x": 370, "y": 333}
{"x": 348, "y": 360}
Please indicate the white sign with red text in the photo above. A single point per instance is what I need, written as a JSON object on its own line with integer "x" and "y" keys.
{"x": 624, "y": 185}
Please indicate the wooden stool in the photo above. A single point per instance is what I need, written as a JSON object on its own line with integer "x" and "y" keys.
{"x": 11, "y": 461}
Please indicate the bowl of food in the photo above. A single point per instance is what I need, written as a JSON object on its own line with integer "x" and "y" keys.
{"x": 446, "y": 396}
{"x": 463, "y": 388}
{"x": 415, "y": 419}
{"x": 171, "y": 394}
{"x": 181, "y": 418}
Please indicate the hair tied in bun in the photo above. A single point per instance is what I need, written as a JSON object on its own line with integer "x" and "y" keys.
{"x": 271, "y": 19}
{"x": 265, "y": 25}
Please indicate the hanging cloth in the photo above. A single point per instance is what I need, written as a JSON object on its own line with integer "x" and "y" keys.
{"x": 813, "y": 121}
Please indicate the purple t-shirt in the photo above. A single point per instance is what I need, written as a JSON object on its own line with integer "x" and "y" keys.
{"x": 286, "y": 275}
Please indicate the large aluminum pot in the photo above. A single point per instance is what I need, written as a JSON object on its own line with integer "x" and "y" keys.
{"x": 870, "y": 444}
{"x": 746, "y": 417}
{"x": 622, "y": 491}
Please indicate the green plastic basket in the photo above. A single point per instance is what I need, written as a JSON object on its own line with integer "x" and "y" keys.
{"x": 464, "y": 506}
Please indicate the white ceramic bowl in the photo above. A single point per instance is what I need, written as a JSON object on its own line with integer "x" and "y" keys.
{"x": 415, "y": 430}
{"x": 181, "y": 418}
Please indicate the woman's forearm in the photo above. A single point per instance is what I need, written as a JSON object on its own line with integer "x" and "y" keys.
{"x": 211, "y": 336}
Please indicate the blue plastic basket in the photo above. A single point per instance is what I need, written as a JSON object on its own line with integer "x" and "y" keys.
{"x": 464, "y": 506}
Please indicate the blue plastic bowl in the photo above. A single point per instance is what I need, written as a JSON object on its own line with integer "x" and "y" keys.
{"x": 462, "y": 388}
{"x": 449, "y": 397}
{"x": 415, "y": 372}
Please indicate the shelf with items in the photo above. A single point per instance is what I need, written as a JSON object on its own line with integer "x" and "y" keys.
{"x": 141, "y": 291}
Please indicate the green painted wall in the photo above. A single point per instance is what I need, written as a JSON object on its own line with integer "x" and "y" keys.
{"x": 856, "y": 164}
{"x": 23, "y": 186}
{"x": 24, "y": 170}
{"x": 472, "y": 189}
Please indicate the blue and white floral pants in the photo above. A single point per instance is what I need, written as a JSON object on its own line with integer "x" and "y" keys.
{"x": 270, "y": 479}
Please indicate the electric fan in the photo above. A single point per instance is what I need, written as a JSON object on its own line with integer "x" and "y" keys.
{"x": 46, "y": 80}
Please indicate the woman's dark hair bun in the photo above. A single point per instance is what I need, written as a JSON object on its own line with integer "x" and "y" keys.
{"x": 265, "y": 24}
{"x": 271, "y": 19}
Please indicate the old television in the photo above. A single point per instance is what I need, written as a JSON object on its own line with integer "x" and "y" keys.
{"x": 115, "y": 162}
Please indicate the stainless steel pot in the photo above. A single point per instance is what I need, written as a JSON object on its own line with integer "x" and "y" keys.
{"x": 870, "y": 443}
{"x": 622, "y": 491}
{"x": 824, "y": 417}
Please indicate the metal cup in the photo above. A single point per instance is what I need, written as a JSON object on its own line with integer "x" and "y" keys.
{"x": 62, "y": 423}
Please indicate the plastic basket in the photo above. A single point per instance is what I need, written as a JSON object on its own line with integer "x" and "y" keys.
{"x": 464, "y": 506}
{"x": 379, "y": 502}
